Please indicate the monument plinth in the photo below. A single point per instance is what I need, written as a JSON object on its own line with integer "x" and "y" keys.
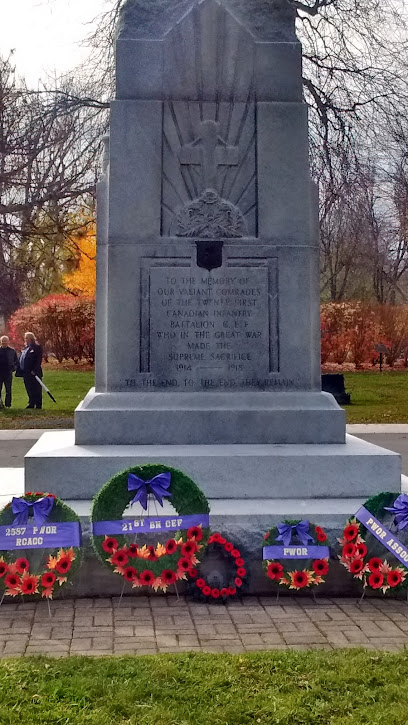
{"x": 208, "y": 317}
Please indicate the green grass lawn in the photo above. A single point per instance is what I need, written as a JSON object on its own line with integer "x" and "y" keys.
{"x": 280, "y": 688}
{"x": 376, "y": 398}
{"x": 68, "y": 387}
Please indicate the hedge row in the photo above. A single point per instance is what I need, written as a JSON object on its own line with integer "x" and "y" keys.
{"x": 64, "y": 325}
{"x": 351, "y": 330}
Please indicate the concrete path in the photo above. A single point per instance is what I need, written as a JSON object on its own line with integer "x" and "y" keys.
{"x": 14, "y": 444}
{"x": 149, "y": 625}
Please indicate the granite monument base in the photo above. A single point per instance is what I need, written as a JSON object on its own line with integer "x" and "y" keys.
{"x": 228, "y": 472}
{"x": 210, "y": 418}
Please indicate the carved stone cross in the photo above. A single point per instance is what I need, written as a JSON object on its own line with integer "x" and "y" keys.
{"x": 209, "y": 151}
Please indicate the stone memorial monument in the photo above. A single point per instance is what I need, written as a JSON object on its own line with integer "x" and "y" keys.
{"x": 208, "y": 325}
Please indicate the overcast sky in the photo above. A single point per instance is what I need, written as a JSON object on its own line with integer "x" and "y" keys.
{"x": 46, "y": 34}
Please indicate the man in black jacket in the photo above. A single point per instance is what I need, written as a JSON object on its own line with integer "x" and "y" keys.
{"x": 8, "y": 363}
{"x": 30, "y": 365}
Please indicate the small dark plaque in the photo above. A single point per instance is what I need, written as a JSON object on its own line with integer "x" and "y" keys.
{"x": 209, "y": 254}
{"x": 381, "y": 348}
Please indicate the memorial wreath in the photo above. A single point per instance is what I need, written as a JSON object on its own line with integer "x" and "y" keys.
{"x": 372, "y": 549}
{"x": 114, "y": 537}
{"x": 49, "y": 546}
{"x": 235, "y": 575}
{"x": 291, "y": 542}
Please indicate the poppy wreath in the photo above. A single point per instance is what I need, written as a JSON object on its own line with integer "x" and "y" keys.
{"x": 236, "y": 575}
{"x": 37, "y": 571}
{"x": 375, "y": 543}
{"x": 161, "y": 564}
{"x": 291, "y": 554}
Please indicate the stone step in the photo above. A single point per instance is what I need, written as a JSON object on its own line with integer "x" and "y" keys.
{"x": 222, "y": 471}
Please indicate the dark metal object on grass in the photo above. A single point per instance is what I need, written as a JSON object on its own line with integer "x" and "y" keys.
{"x": 334, "y": 384}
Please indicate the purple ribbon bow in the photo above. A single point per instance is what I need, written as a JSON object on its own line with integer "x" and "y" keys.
{"x": 301, "y": 530}
{"x": 157, "y": 486}
{"x": 400, "y": 510}
{"x": 41, "y": 509}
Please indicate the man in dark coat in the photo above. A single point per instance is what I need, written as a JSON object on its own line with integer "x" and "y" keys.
{"x": 8, "y": 363}
{"x": 30, "y": 365}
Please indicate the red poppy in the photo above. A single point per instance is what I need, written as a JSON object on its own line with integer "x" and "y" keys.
{"x": 184, "y": 564}
{"x": 193, "y": 573}
{"x": 64, "y": 564}
{"x": 228, "y": 546}
{"x": 171, "y": 546}
{"x": 374, "y": 564}
{"x": 3, "y": 568}
{"x": 206, "y": 590}
{"x": 195, "y": 532}
{"x": 168, "y": 576}
{"x": 320, "y": 566}
{"x": 216, "y": 537}
{"x": 232, "y": 591}
{"x": 12, "y": 581}
{"x": 238, "y": 582}
{"x": 120, "y": 557}
{"x": 235, "y": 553}
{"x": 29, "y": 493}
{"x": 394, "y": 578}
{"x": 109, "y": 544}
{"x": 132, "y": 550}
{"x": 51, "y": 495}
{"x": 275, "y": 570}
{"x": 300, "y": 579}
{"x": 320, "y": 534}
{"x": 29, "y": 584}
{"x": 215, "y": 593}
{"x": 376, "y": 580}
{"x": 200, "y": 583}
{"x": 349, "y": 550}
{"x": 130, "y": 573}
{"x": 222, "y": 540}
{"x": 361, "y": 550}
{"x": 241, "y": 571}
{"x": 356, "y": 566}
{"x": 350, "y": 532}
{"x": 48, "y": 580}
{"x": 239, "y": 562}
{"x": 224, "y": 592}
{"x": 147, "y": 577}
{"x": 22, "y": 565}
{"x": 39, "y": 493}
{"x": 188, "y": 548}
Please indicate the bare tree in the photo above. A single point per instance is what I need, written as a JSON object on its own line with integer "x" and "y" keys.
{"x": 49, "y": 144}
{"x": 355, "y": 68}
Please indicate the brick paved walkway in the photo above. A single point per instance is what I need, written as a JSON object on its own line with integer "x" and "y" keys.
{"x": 146, "y": 625}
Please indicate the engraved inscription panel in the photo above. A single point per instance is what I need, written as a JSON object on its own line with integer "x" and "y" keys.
{"x": 209, "y": 330}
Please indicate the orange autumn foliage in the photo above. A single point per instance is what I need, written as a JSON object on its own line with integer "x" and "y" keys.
{"x": 82, "y": 281}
